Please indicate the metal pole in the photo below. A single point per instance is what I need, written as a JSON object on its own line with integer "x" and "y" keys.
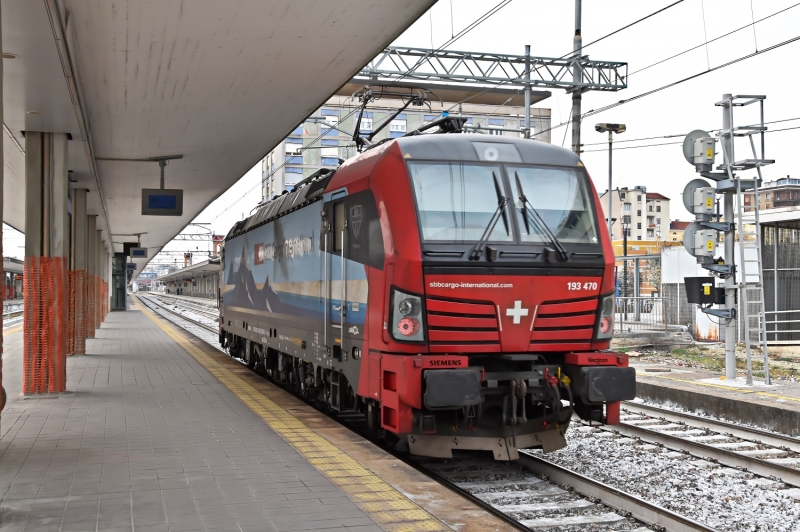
{"x": 577, "y": 45}
{"x": 730, "y": 282}
{"x": 527, "y": 91}
{"x": 625, "y": 269}
{"x": 610, "y": 143}
{"x": 636, "y": 283}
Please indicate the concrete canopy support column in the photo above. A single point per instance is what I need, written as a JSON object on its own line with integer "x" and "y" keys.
{"x": 78, "y": 274}
{"x": 46, "y": 256}
{"x": 91, "y": 273}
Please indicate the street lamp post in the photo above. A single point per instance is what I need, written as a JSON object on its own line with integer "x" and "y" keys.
{"x": 625, "y": 226}
{"x": 611, "y": 128}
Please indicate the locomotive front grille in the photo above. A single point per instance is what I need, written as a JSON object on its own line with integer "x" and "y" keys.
{"x": 463, "y": 326}
{"x": 563, "y": 326}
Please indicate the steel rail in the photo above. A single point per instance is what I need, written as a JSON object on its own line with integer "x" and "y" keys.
{"x": 193, "y": 322}
{"x": 197, "y": 309}
{"x": 628, "y": 504}
{"x": 704, "y": 451}
{"x": 738, "y": 431}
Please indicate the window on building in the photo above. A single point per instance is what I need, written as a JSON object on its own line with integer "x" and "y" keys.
{"x": 497, "y": 122}
{"x": 398, "y": 126}
{"x": 658, "y": 221}
{"x": 658, "y": 208}
{"x": 639, "y": 212}
{"x": 429, "y": 118}
{"x": 329, "y": 131}
{"x": 293, "y": 170}
{"x": 626, "y": 219}
{"x": 330, "y": 161}
{"x": 494, "y": 131}
{"x": 639, "y": 225}
{"x": 639, "y": 197}
{"x": 329, "y": 151}
{"x": 366, "y": 125}
{"x": 628, "y": 231}
{"x": 622, "y": 195}
{"x": 294, "y": 160}
{"x": 298, "y": 131}
{"x": 638, "y": 238}
{"x": 294, "y": 146}
{"x": 626, "y": 207}
{"x": 649, "y": 208}
{"x": 649, "y": 233}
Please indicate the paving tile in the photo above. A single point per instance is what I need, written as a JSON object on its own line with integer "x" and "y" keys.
{"x": 136, "y": 442}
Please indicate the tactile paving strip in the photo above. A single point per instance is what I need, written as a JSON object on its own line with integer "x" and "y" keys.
{"x": 385, "y": 505}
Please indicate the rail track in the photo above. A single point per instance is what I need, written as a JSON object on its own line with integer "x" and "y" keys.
{"x": 12, "y": 314}
{"x": 529, "y": 494}
{"x": 749, "y": 449}
{"x": 197, "y": 308}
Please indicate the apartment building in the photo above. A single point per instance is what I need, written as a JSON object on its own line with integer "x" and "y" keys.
{"x": 301, "y": 154}
{"x": 644, "y": 215}
{"x": 783, "y": 192}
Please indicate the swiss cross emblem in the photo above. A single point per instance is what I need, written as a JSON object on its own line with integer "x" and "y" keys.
{"x": 517, "y": 312}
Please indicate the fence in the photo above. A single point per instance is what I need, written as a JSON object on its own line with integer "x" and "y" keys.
{"x": 640, "y": 314}
{"x": 781, "y": 266}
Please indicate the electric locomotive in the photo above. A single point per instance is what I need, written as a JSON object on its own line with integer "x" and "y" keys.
{"x": 454, "y": 291}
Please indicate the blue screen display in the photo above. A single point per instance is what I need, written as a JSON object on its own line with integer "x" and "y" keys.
{"x": 139, "y": 253}
{"x": 162, "y": 201}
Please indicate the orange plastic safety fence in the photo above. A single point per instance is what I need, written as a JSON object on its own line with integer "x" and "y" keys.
{"x": 45, "y": 325}
{"x": 76, "y": 313}
{"x": 90, "y": 306}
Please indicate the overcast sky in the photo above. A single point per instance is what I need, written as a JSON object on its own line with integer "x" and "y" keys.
{"x": 548, "y": 27}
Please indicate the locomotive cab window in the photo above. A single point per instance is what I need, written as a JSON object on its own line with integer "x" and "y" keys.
{"x": 338, "y": 226}
{"x": 457, "y": 201}
{"x": 559, "y": 197}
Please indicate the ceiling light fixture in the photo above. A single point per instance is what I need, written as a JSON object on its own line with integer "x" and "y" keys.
{"x": 35, "y": 113}
{"x": 7, "y": 55}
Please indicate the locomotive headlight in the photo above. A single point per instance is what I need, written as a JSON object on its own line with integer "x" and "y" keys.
{"x": 406, "y": 317}
{"x": 409, "y": 306}
{"x": 605, "y": 322}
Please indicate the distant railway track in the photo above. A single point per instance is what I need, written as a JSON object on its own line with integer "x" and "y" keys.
{"x": 529, "y": 494}
{"x": 760, "y": 452}
{"x": 197, "y": 308}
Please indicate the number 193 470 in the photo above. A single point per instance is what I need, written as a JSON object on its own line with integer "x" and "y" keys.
{"x": 582, "y": 286}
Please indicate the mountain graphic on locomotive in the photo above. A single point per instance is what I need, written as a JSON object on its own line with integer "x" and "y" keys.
{"x": 455, "y": 291}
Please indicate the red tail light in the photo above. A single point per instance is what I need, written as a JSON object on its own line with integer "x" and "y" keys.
{"x": 408, "y": 326}
{"x": 605, "y": 325}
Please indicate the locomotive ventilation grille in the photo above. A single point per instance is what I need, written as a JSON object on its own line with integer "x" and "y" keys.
{"x": 465, "y": 326}
{"x": 565, "y": 325}
{"x": 471, "y": 327}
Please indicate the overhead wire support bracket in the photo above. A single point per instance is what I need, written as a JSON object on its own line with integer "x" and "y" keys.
{"x": 424, "y": 64}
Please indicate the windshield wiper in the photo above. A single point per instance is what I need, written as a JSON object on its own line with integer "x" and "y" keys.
{"x": 500, "y": 212}
{"x": 542, "y": 227}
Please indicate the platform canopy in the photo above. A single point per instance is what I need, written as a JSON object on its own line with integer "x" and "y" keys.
{"x": 219, "y": 82}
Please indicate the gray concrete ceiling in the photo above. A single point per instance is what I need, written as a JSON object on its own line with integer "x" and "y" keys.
{"x": 219, "y": 82}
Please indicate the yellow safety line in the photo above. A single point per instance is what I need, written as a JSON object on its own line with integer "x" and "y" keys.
{"x": 384, "y": 504}
{"x": 12, "y": 330}
{"x": 728, "y": 388}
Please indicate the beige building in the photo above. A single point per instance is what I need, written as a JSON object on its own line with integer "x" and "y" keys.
{"x": 644, "y": 214}
{"x": 301, "y": 154}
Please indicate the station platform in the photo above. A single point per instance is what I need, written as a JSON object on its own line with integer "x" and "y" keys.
{"x": 775, "y": 407}
{"x": 161, "y": 432}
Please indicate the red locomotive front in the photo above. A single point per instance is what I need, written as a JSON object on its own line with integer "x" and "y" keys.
{"x": 485, "y": 285}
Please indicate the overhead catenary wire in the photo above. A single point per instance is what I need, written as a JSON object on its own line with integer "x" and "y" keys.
{"x": 519, "y": 78}
{"x": 707, "y": 42}
{"x": 681, "y": 142}
{"x": 680, "y": 134}
{"x": 674, "y": 83}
